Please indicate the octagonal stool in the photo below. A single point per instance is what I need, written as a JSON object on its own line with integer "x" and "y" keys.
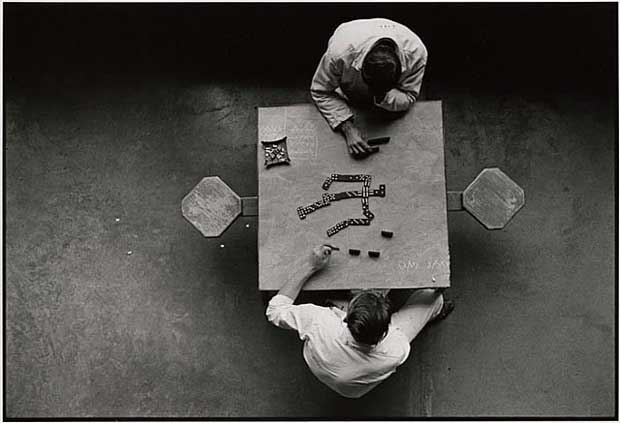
{"x": 212, "y": 206}
{"x": 493, "y": 199}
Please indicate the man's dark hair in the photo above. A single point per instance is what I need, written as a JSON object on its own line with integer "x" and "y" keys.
{"x": 381, "y": 67}
{"x": 368, "y": 317}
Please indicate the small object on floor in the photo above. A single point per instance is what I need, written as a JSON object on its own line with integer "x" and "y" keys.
{"x": 377, "y": 141}
{"x": 387, "y": 234}
{"x": 129, "y": 253}
{"x": 332, "y": 247}
{"x": 276, "y": 152}
{"x": 374, "y": 254}
{"x": 354, "y": 251}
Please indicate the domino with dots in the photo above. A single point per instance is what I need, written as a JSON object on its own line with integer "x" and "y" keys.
{"x": 337, "y": 227}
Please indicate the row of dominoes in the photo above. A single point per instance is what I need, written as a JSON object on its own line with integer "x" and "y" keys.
{"x": 339, "y": 177}
{"x": 359, "y": 222}
{"x": 367, "y": 179}
{"x": 348, "y": 222}
{"x": 327, "y": 198}
{"x": 366, "y": 209}
{"x": 356, "y": 194}
{"x": 302, "y": 211}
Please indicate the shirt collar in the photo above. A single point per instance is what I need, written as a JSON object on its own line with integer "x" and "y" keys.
{"x": 349, "y": 340}
{"x": 370, "y": 43}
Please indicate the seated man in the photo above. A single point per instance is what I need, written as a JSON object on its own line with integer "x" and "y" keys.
{"x": 376, "y": 62}
{"x": 353, "y": 351}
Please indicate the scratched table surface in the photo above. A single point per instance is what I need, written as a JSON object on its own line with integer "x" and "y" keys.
{"x": 411, "y": 166}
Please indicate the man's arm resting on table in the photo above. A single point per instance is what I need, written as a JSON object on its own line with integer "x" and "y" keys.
{"x": 292, "y": 288}
{"x": 396, "y": 100}
{"x": 405, "y": 95}
{"x": 281, "y": 311}
{"x": 323, "y": 91}
{"x": 353, "y": 137}
{"x": 333, "y": 107}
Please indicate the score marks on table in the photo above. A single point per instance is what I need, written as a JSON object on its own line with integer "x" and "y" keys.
{"x": 429, "y": 265}
{"x": 303, "y": 139}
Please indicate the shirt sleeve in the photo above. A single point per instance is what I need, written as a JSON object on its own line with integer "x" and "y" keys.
{"x": 323, "y": 91}
{"x": 405, "y": 95}
{"x": 284, "y": 314}
{"x": 405, "y": 347}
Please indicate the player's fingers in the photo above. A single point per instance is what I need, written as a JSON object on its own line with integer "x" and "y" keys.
{"x": 364, "y": 148}
{"x": 364, "y": 145}
{"x": 361, "y": 154}
{"x": 357, "y": 150}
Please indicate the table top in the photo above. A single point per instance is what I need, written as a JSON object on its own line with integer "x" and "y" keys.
{"x": 411, "y": 166}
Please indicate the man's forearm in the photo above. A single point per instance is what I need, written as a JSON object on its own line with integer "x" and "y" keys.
{"x": 333, "y": 108}
{"x": 346, "y": 127}
{"x": 297, "y": 280}
{"x": 396, "y": 100}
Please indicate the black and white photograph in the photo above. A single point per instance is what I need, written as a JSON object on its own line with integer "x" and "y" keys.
{"x": 310, "y": 211}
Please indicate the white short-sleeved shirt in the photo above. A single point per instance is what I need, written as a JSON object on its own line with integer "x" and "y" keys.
{"x": 331, "y": 352}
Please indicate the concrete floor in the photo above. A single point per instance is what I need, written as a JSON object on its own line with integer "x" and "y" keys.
{"x": 177, "y": 328}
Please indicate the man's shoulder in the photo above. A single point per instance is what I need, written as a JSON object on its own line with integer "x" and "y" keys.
{"x": 344, "y": 45}
{"x": 282, "y": 301}
{"x": 324, "y": 315}
{"x": 369, "y": 26}
{"x": 413, "y": 47}
{"x": 395, "y": 345}
{"x": 350, "y": 38}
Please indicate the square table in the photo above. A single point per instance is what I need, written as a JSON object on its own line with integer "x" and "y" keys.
{"x": 412, "y": 168}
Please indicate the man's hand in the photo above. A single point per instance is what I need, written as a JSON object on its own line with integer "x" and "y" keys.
{"x": 319, "y": 258}
{"x": 379, "y": 94}
{"x": 355, "y": 143}
{"x": 305, "y": 268}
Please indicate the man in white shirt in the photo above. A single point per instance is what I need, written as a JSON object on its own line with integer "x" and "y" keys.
{"x": 352, "y": 351}
{"x": 377, "y": 62}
